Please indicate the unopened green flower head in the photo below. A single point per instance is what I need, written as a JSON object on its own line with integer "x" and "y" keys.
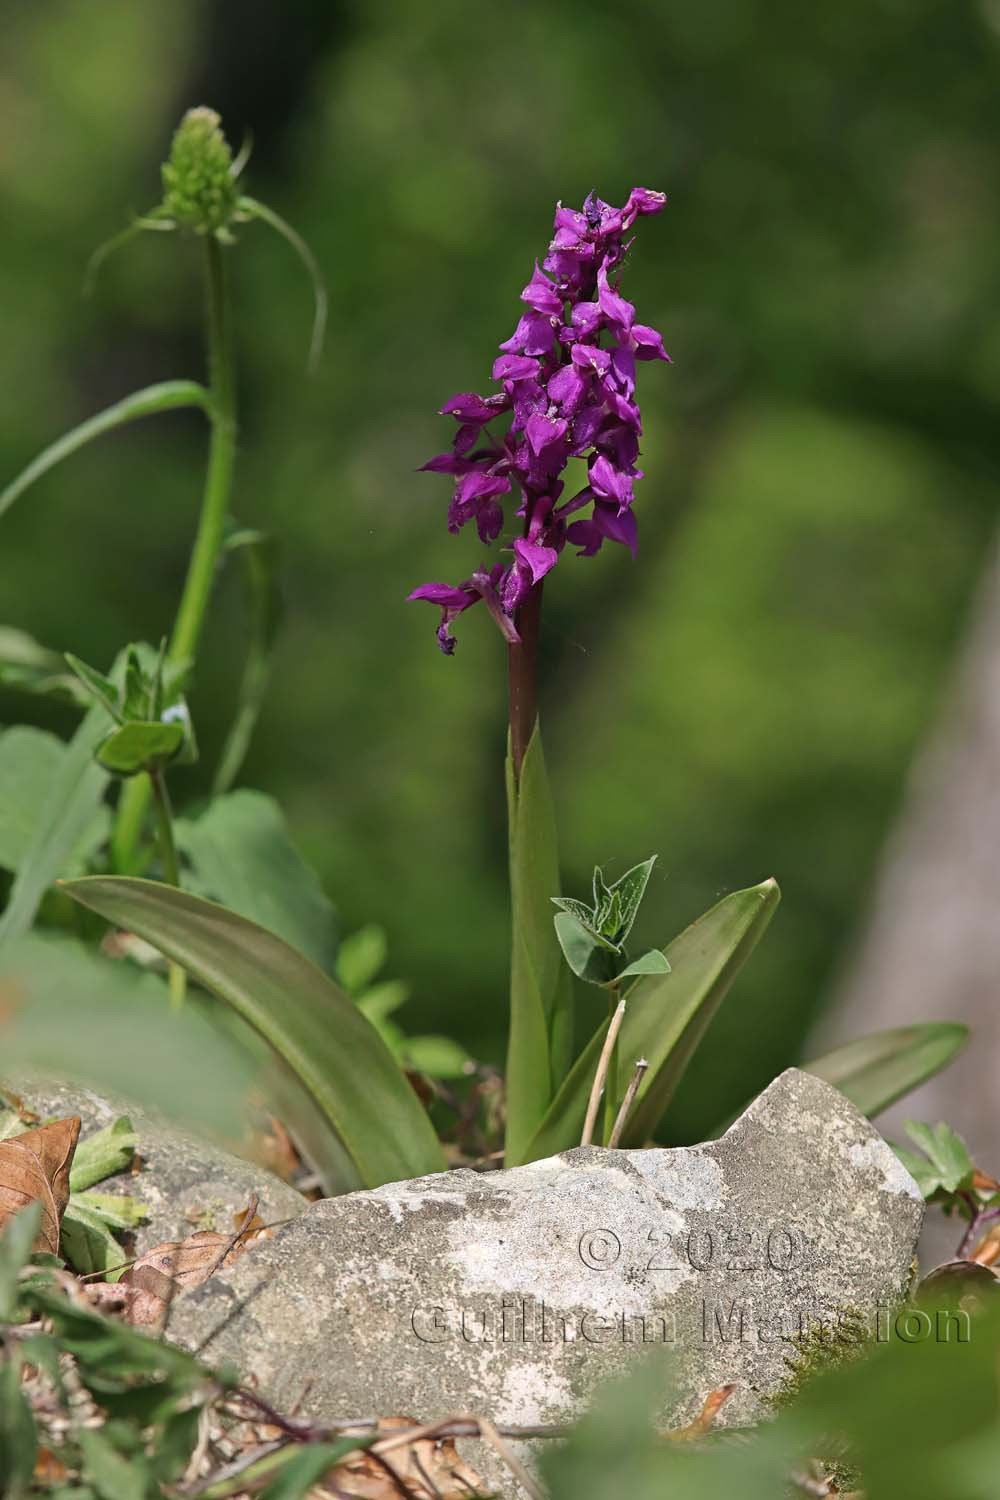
{"x": 200, "y": 191}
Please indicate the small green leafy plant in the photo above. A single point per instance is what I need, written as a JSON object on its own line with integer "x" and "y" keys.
{"x": 219, "y": 890}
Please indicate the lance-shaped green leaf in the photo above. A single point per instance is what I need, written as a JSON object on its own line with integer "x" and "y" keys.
{"x": 167, "y": 396}
{"x": 877, "y": 1070}
{"x": 32, "y": 668}
{"x": 71, "y": 806}
{"x": 666, "y": 1017}
{"x": 333, "y": 1050}
{"x": 541, "y": 992}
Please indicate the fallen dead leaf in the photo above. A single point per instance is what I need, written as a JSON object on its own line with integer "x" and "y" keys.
{"x": 702, "y": 1423}
{"x": 427, "y": 1469}
{"x": 34, "y": 1168}
{"x": 176, "y": 1265}
{"x": 49, "y": 1468}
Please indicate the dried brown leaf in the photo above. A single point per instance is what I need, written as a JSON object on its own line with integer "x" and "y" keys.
{"x": 176, "y": 1265}
{"x": 702, "y": 1423}
{"x": 34, "y": 1168}
{"x": 427, "y": 1469}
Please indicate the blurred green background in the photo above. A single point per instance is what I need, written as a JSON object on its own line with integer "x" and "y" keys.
{"x": 821, "y": 461}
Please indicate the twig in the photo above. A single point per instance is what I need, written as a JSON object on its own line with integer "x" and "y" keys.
{"x": 600, "y": 1077}
{"x": 618, "y": 1128}
{"x": 984, "y": 1216}
{"x": 488, "y": 1432}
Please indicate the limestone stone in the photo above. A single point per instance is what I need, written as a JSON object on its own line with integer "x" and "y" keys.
{"x": 516, "y": 1294}
{"x": 184, "y": 1182}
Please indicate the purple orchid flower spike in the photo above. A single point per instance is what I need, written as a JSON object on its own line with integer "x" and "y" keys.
{"x": 567, "y": 376}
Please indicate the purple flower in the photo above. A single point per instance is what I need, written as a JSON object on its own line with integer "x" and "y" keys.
{"x": 567, "y": 377}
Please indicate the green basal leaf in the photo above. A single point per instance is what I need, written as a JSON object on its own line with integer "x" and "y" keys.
{"x": 15, "y": 1251}
{"x": 100, "y": 688}
{"x": 587, "y": 955}
{"x": 120, "y": 1034}
{"x": 86, "y": 1242}
{"x": 876, "y": 1070}
{"x": 653, "y": 962}
{"x": 241, "y": 854}
{"x": 116, "y": 1210}
{"x": 107, "y": 1151}
{"x": 666, "y": 1017}
{"x": 18, "y": 1443}
{"x": 140, "y": 746}
{"x": 72, "y": 803}
{"x": 336, "y": 1055}
{"x": 541, "y": 1007}
{"x": 31, "y": 761}
{"x": 630, "y": 889}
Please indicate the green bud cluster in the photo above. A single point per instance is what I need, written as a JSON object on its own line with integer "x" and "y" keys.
{"x": 200, "y": 191}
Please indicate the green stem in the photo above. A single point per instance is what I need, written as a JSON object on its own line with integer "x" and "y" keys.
{"x": 208, "y": 540}
{"x": 157, "y": 788}
{"x": 611, "y": 1100}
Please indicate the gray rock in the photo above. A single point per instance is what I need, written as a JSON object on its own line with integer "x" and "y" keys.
{"x": 517, "y": 1294}
{"x": 184, "y": 1182}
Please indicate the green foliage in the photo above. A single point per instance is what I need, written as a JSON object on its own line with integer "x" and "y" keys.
{"x": 593, "y": 938}
{"x": 336, "y": 1055}
{"x": 118, "y": 1033}
{"x": 30, "y": 762}
{"x": 876, "y": 1070}
{"x": 241, "y": 854}
{"x": 259, "y": 554}
{"x": 150, "y": 1397}
{"x": 359, "y": 960}
{"x": 665, "y": 1019}
{"x": 942, "y": 1165}
{"x": 540, "y": 1036}
{"x": 153, "y": 724}
{"x": 169, "y": 395}
{"x": 898, "y": 1420}
{"x": 67, "y": 816}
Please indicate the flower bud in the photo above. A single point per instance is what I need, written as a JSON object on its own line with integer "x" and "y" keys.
{"x": 200, "y": 191}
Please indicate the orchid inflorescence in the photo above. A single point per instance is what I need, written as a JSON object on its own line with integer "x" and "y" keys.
{"x": 568, "y": 382}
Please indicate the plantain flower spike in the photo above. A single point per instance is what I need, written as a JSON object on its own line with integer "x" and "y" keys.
{"x": 199, "y": 185}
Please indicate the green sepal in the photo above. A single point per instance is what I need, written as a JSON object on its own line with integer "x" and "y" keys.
{"x": 140, "y": 746}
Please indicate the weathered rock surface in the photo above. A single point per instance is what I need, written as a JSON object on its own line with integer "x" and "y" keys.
{"x": 516, "y": 1294}
{"x": 184, "y": 1182}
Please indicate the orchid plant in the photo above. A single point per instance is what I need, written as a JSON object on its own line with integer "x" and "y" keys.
{"x": 221, "y": 893}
